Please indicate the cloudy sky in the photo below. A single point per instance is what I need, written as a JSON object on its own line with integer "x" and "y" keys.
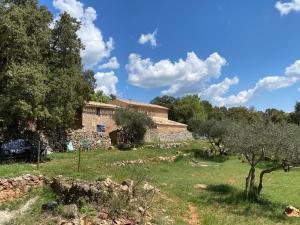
{"x": 231, "y": 53}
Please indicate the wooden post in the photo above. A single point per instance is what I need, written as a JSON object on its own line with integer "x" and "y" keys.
{"x": 38, "y": 154}
{"x": 79, "y": 158}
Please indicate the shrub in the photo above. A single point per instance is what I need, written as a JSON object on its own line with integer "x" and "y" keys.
{"x": 133, "y": 125}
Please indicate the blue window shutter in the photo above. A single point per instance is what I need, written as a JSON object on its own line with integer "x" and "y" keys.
{"x": 101, "y": 128}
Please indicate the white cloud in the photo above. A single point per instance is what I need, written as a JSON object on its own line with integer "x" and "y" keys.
{"x": 183, "y": 76}
{"x": 73, "y": 7}
{"x": 106, "y": 82}
{"x": 219, "y": 89}
{"x": 111, "y": 64}
{"x": 293, "y": 70}
{"x": 286, "y": 7}
{"x": 151, "y": 38}
{"x": 268, "y": 83}
{"x": 96, "y": 49}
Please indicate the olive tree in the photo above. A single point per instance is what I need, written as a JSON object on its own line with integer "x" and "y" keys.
{"x": 215, "y": 131}
{"x": 133, "y": 125}
{"x": 279, "y": 144}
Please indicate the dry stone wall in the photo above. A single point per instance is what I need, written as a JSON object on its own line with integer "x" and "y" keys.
{"x": 16, "y": 187}
{"x": 57, "y": 139}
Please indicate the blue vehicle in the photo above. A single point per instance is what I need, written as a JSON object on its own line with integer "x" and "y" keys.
{"x": 21, "y": 149}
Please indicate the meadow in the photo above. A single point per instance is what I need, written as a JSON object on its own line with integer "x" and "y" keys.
{"x": 180, "y": 200}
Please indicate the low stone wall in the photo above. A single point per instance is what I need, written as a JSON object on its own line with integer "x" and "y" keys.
{"x": 57, "y": 139}
{"x": 19, "y": 186}
{"x": 94, "y": 139}
{"x": 155, "y": 135}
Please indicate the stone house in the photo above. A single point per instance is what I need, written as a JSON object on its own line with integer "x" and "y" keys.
{"x": 97, "y": 117}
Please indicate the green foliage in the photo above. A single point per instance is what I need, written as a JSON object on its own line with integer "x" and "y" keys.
{"x": 134, "y": 125}
{"x": 214, "y": 130}
{"x": 182, "y": 109}
{"x": 295, "y": 116}
{"x": 276, "y": 116}
{"x": 99, "y": 96}
{"x": 41, "y": 78}
{"x": 280, "y": 144}
{"x": 189, "y": 107}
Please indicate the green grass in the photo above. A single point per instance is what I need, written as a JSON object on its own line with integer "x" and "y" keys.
{"x": 221, "y": 203}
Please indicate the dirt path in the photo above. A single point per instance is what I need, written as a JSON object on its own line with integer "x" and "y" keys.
{"x": 6, "y": 216}
{"x": 193, "y": 214}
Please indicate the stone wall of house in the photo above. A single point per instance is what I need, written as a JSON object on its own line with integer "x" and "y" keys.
{"x": 181, "y": 136}
{"x": 167, "y": 129}
{"x": 57, "y": 139}
{"x": 169, "y": 134}
{"x": 90, "y": 119}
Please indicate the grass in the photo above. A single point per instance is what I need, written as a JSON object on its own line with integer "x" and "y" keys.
{"x": 221, "y": 203}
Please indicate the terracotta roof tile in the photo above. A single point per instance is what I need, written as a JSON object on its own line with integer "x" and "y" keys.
{"x": 100, "y": 104}
{"x": 165, "y": 121}
{"x": 135, "y": 103}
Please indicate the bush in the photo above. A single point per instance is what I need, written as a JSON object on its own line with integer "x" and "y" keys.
{"x": 133, "y": 125}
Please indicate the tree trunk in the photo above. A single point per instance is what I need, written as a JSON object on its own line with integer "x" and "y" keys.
{"x": 261, "y": 176}
{"x": 250, "y": 182}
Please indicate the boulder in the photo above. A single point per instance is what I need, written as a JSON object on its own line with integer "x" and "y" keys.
{"x": 200, "y": 186}
{"x": 70, "y": 211}
{"x": 49, "y": 206}
{"x": 292, "y": 211}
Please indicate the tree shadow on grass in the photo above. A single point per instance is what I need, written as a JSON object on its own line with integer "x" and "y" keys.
{"x": 234, "y": 201}
{"x": 204, "y": 155}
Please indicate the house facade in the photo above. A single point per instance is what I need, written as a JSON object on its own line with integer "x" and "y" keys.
{"x": 97, "y": 117}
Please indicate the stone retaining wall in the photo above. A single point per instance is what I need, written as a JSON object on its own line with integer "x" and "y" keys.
{"x": 57, "y": 139}
{"x": 16, "y": 187}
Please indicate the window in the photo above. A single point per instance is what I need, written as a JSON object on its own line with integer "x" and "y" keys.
{"x": 98, "y": 111}
{"x": 101, "y": 128}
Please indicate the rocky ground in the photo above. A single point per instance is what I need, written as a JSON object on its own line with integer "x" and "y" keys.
{"x": 171, "y": 158}
{"x": 113, "y": 203}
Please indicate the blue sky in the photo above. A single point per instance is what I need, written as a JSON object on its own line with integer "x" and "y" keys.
{"x": 240, "y": 52}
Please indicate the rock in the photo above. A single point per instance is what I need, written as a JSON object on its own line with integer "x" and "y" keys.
{"x": 103, "y": 215}
{"x": 292, "y": 211}
{"x": 111, "y": 147}
{"x": 141, "y": 210}
{"x": 148, "y": 187}
{"x": 70, "y": 211}
{"x": 200, "y": 186}
{"x": 50, "y": 206}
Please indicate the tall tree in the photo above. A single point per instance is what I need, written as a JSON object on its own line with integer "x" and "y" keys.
{"x": 41, "y": 77}
{"x": 276, "y": 116}
{"x": 295, "y": 116}
{"x": 24, "y": 42}
{"x": 99, "y": 96}
{"x": 189, "y": 107}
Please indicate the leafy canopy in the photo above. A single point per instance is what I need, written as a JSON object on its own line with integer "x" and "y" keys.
{"x": 134, "y": 125}
{"x": 41, "y": 77}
